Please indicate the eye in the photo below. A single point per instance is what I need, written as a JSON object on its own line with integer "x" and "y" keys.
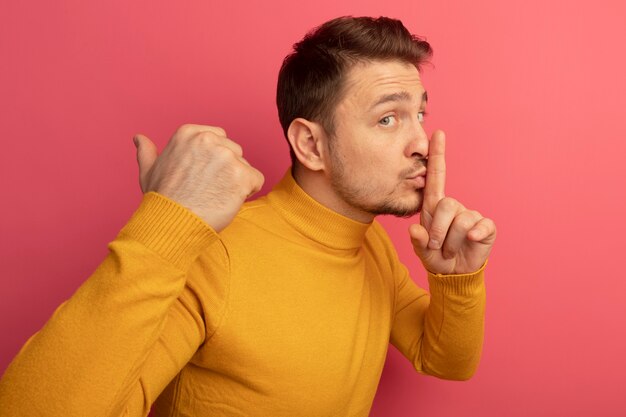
{"x": 387, "y": 120}
{"x": 421, "y": 115}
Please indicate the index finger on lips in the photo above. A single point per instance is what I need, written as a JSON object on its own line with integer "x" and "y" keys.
{"x": 434, "y": 190}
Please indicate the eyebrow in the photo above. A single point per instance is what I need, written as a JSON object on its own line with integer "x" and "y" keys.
{"x": 399, "y": 96}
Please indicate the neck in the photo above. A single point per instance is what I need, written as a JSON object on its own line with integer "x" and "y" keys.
{"x": 317, "y": 185}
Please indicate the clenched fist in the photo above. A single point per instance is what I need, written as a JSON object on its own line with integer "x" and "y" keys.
{"x": 201, "y": 169}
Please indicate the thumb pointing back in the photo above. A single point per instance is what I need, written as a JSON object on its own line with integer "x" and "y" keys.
{"x": 146, "y": 155}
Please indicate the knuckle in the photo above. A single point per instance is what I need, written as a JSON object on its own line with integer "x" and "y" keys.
{"x": 448, "y": 203}
{"x": 183, "y": 130}
{"x": 236, "y": 148}
{"x": 439, "y": 168}
{"x": 437, "y": 232}
{"x": 222, "y": 153}
{"x": 207, "y": 137}
{"x": 218, "y": 131}
{"x": 239, "y": 173}
{"x": 465, "y": 222}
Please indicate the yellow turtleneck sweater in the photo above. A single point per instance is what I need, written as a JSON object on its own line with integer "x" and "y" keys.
{"x": 287, "y": 312}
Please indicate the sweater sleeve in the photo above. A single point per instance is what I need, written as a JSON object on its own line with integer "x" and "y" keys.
{"x": 128, "y": 330}
{"x": 440, "y": 332}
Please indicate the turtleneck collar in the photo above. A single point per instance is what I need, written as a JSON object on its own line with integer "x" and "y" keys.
{"x": 314, "y": 220}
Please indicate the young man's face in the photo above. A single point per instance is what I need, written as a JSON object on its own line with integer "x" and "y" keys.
{"x": 379, "y": 144}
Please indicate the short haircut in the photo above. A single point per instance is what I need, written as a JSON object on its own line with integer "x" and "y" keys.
{"x": 311, "y": 79}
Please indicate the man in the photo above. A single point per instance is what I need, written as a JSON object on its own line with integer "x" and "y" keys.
{"x": 285, "y": 306}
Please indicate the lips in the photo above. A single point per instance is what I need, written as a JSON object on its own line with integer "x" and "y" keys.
{"x": 418, "y": 180}
{"x": 417, "y": 174}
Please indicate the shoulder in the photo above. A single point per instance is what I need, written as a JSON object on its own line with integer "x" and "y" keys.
{"x": 254, "y": 213}
{"x": 251, "y": 208}
{"x": 255, "y": 219}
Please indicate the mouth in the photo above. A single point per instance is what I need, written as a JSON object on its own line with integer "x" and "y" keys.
{"x": 419, "y": 170}
{"x": 421, "y": 173}
{"x": 418, "y": 180}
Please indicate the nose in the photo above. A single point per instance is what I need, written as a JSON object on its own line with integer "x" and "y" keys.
{"x": 417, "y": 144}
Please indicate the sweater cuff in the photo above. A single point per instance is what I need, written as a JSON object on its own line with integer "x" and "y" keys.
{"x": 169, "y": 229}
{"x": 462, "y": 284}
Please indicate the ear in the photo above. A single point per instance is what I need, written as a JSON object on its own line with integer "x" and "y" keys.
{"x": 308, "y": 141}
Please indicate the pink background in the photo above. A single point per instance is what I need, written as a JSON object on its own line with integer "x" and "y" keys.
{"x": 532, "y": 97}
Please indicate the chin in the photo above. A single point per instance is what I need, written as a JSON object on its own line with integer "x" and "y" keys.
{"x": 407, "y": 213}
{"x": 397, "y": 210}
{"x": 409, "y": 209}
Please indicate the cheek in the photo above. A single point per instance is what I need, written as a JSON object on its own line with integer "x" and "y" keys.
{"x": 363, "y": 151}
{"x": 378, "y": 160}
{"x": 370, "y": 170}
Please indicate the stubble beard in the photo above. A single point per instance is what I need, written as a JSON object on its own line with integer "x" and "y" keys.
{"x": 358, "y": 197}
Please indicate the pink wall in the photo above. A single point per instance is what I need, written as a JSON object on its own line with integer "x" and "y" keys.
{"x": 532, "y": 97}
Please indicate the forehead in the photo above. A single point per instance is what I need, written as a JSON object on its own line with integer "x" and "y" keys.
{"x": 366, "y": 82}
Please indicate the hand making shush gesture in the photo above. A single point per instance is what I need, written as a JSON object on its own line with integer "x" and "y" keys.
{"x": 450, "y": 239}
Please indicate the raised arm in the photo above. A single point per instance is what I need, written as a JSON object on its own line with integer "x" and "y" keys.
{"x": 115, "y": 344}
{"x": 442, "y": 332}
